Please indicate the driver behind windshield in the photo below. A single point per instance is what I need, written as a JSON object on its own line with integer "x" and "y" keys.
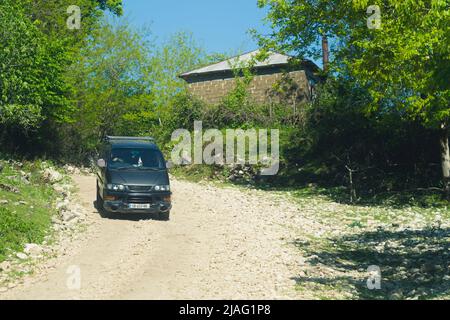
{"x": 146, "y": 158}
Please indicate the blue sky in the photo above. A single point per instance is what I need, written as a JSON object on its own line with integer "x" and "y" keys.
{"x": 218, "y": 25}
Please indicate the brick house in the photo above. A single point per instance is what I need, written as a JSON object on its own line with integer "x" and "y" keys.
{"x": 275, "y": 79}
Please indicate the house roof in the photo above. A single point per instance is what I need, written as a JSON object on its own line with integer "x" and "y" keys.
{"x": 274, "y": 59}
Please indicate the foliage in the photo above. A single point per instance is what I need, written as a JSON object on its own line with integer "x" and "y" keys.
{"x": 180, "y": 53}
{"x": 408, "y": 60}
{"x": 110, "y": 83}
{"x": 402, "y": 66}
{"x": 237, "y": 103}
{"x": 339, "y": 138}
{"x": 405, "y": 63}
{"x": 110, "y": 78}
{"x": 26, "y": 217}
{"x": 123, "y": 84}
{"x": 36, "y": 48}
{"x": 30, "y": 70}
{"x": 298, "y": 25}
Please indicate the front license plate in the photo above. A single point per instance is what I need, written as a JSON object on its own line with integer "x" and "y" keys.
{"x": 139, "y": 206}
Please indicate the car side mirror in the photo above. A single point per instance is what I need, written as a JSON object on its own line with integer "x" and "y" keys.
{"x": 101, "y": 163}
{"x": 169, "y": 164}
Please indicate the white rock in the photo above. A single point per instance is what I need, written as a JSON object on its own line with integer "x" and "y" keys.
{"x": 51, "y": 175}
{"x": 5, "y": 265}
{"x": 70, "y": 169}
{"x": 21, "y": 256}
{"x": 59, "y": 188}
{"x": 62, "y": 205}
{"x": 68, "y": 216}
{"x": 56, "y": 220}
{"x": 84, "y": 170}
{"x": 32, "y": 249}
{"x": 76, "y": 171}
{"x": 76, "y": 213}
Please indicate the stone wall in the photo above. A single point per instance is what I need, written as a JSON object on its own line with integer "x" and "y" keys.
{"x": 295, "y": 86}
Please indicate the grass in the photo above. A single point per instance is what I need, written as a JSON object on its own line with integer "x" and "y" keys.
{"x": 26, "y": 217}
{"x": 410, "y": 243}
{"x": 405, "y": 234}
{"x": 196, "y": 173}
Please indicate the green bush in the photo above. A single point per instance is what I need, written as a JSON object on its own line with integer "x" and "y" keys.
{"x": 15, "y": 230}
{"x": 26, "y": 215}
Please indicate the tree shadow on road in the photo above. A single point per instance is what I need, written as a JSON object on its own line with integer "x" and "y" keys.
{"x": 414, "y": 264}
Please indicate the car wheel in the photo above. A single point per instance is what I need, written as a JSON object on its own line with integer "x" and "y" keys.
{"x": 164, "y": 216}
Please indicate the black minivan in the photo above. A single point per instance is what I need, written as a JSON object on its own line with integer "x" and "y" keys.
{"x": 132, "y": 177}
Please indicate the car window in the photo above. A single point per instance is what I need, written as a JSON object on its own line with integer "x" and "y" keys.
{"x": 136, "y": 158}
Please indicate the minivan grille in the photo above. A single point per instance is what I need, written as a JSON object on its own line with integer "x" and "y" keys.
{"x": 140, "y": 188}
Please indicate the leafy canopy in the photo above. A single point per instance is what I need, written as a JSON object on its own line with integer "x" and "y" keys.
{"x": 404, "y": 64}
{"x": 36, "y": 48}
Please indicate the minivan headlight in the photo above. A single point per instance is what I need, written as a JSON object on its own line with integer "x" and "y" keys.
{"x": 115, "y": 187}
{"x": 162, "y": 188}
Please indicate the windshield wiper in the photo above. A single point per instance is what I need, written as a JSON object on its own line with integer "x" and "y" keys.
{"x": 122, "y": 168}
{"x": 149, "y": 168}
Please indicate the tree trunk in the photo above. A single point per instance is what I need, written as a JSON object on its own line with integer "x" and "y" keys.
{"x": 352, "y": 185}
{"x": 445, "y": 159}
{"x": 325, "y": 53}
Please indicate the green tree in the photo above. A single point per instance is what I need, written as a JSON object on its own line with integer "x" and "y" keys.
{"x": 179, "y": 54}
{"x": 36, "y": 48}
{"x": 123, "y": 84}
{"x": 112, "y": 87}
{"x": 404, "y": 64}
{"x": 30, "y": 70}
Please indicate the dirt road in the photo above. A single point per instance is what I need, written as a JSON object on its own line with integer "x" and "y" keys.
{"x": 221, "y": 243}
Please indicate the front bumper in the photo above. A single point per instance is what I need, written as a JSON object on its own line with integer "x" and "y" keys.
{"x": 157, "y": 202}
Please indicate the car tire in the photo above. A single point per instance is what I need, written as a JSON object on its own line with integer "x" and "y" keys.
{"x": 164, "y": 216}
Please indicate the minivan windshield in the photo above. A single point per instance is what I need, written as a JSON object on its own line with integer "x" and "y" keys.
{"x": 136, "y": 158}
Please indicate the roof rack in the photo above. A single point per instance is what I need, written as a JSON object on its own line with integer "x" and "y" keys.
{"x": 108, "y": 138}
